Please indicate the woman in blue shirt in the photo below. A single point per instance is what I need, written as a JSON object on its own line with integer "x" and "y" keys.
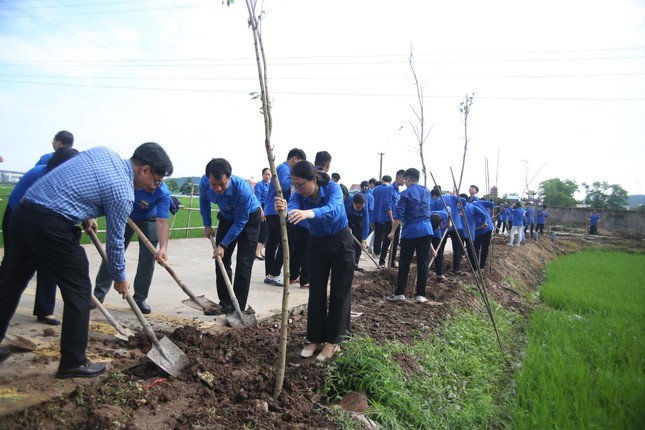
{"x": 331, "y": 250}
{"x": 260, "y": 191}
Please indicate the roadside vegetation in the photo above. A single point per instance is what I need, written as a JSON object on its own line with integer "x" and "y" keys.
{"x": 585, "y": 361}
{"x": 583, "y": 366}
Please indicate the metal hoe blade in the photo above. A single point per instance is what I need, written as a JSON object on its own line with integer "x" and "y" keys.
{"x": 168, "y": 356}
{"x": 19, "y": 342}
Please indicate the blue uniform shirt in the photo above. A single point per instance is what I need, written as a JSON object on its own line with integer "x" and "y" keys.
{"x": 444, "y": 222}
{"x": 96, "y": 182}
{"x": 474, "y": 216}
{"x": 451, "y": 202}
{"x": 353, "y": 213}
{"x": 382, "y": 203}
{"x": 541, "y": 215}
{"x": 27, "y": 180}
{"x": 260, "y": 190}
{"x": 330, "y": 211}
{"x": 517, "y": 217}
{"x": 485, "y": 205}
{"x": 44, "y": 159}
{"x": 413, "y": 210}
{"x": 284, "y": 175}
{"x": 236, "y": 204}
{"x": 151, "y": 205}
{"x": 369, "y": 203}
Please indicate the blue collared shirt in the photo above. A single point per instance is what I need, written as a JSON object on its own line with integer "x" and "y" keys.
{"x": 45, "y": 158}
{"x": 363, "y": 214}
{"x": 452, "y": 203}
{"x": 27, "y": 180}
{"x": 260, "y": 191}
{"x": 148, "y": 205}
{"x": 330, "y": 212}
{"x": 284, "y": 175}
{"x": 517, "y": 216}
{"x": 382, "y": 203}
{"x": 96, "y": 182}
{"x": 474, "y": 216}
{"x": 413, "y": 210}
{"x": 369, "y": 202}
{"x": 485, "y": 205}
{"x": 236, "y": 204}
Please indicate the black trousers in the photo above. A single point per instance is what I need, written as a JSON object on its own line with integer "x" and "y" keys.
{"x": 379, "y": 228}
{"x": 329, "y": 320}
{"x": 457, "y": 250}
{"x": 41, "y": 237}
{"x": 299, "y": 260}
{"x": 540, "y": 228}
{"x": 482, "y": 245}
{"x": 246, "y": 243}
{"x": 386, "y": 244}
{"x": 470, "y": 251}
{"x": 408, "y": 246}
{"x": 45, "y": 300}
{"x": 356, "y": 225}
{"x": 273, "y": 252}
{"x": 439, "y": 245}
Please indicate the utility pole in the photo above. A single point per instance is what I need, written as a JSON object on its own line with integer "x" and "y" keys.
{"x": 380, "y": 168}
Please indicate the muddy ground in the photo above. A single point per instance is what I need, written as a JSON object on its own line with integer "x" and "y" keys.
{"x": 136, "y": 394}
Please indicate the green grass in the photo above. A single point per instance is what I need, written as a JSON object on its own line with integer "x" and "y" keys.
{"x": 179, "y": 222}
{"x": 451, "y": 381}
{"x": 585, "y": 363}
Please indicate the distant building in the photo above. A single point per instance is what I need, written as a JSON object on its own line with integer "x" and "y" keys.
{"x": 9, "y": 177}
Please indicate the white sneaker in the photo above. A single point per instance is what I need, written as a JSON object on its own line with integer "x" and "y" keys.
{"x": 420, "y": 299}
{"x": 395, "y": 298}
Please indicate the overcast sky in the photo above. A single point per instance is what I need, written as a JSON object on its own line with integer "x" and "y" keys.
{"x": 559, "y": 86}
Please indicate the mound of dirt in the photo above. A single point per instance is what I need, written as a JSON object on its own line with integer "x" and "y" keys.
{"x": 230, "y": 380}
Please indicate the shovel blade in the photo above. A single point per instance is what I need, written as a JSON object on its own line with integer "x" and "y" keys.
{"x": 19, "y": 342}
{"x": 201, "y": 303}
{"x": 247, "y": 320}
{"x": 168, "y": 356}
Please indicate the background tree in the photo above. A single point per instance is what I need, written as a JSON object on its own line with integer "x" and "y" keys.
{"x": 172, "y": 185}
{"x": 601, "y": 195}
{"x": 419, "y": 130}
{"x": 186, "y": 187}
{"x": 555, "y": 192}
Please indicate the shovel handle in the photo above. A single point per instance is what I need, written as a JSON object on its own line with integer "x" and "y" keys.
{"x": 227, "y": 281}
{"x": 163, "y": 262}
{"x": 133, "y": 305}
{"x": 108, "y": 316}
{"x": 368, "y": 254}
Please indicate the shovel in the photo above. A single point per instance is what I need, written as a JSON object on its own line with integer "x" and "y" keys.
{"x": 200, "y": 303}
{"x": 124, "y": 333}
{"x": 368, "y": 254}
{"x": 19, "y": 342}
{"x": 164, "y": 353}
{"x": 238, "y": 319}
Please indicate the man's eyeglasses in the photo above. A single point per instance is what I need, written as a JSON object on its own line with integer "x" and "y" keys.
{"x": 157, "y": 181}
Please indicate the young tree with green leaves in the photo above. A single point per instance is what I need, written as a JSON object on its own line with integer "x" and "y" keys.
{"x": 555, "y": 192}
{"x": 601, "y": 195}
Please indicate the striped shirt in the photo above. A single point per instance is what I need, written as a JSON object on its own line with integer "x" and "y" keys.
{"x": 96, "y": 182}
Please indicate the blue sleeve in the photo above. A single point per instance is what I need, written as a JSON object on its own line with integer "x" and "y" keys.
{"x": 334, "y": 202}
{"x": 204, "y": 202}
{"x": 366, "y": 222}
{"x": 242, "y": 196}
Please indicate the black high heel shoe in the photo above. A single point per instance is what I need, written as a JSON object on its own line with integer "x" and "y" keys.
{"x": 48, "y": 320}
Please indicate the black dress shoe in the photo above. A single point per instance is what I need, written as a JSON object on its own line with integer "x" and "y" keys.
{"x": 47, "y": 320}
{"x": 227, "y": 309}
{"x": 87, "y": 370}
{"x": 143, "y": 306}
{"x": 4, "y": 353}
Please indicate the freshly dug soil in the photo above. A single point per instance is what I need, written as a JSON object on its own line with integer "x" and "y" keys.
{"x": 230, "y": 380}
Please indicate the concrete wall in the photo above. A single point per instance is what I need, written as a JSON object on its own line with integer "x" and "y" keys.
{"x": 626, "y": 221}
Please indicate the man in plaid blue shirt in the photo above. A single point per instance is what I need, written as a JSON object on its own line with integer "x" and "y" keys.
{"x": 44, "y": 231}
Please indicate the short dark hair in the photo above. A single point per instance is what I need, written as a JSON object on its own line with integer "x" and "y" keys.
{"x": 365, "y": 184}
{"x": 305, "y": 170}
{"x": 435, "y": 192}
{"x": 64, "y": 137}
{"x": 386, "y": 178}
{"x": 61, "y": 155}
{"x": 400, "y": 172}
{"x": 297, "y": 152}
{"x": 265, "y": 169}
{"x": 412, "y": 173}
{"x": 153, "y": 155}
{"x": 436, "y": 220}
{"x": 218, "y": 168}
{"x": 372, "y": 181}
{"x": 475, "y": 187}
{"x": 344, "y": 190}
{"x": 322, "y": 158}
{"x": 336, "y": 176}
{"x": 359, "y": 198}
